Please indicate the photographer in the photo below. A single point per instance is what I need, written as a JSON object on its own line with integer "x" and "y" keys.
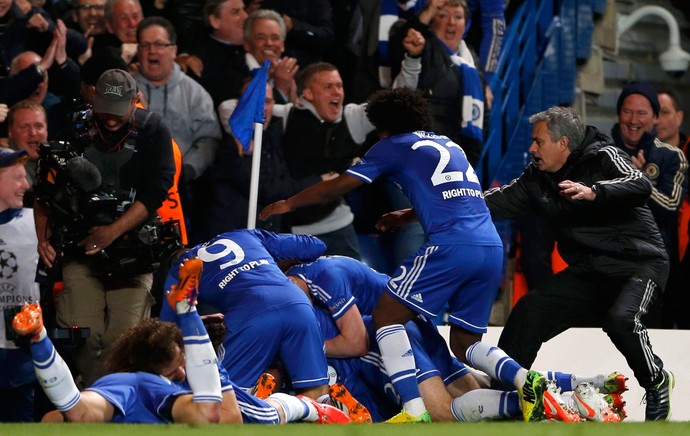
{"x": 131, "y": 150}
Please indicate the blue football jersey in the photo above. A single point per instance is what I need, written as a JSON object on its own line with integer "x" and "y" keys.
{"x": 338, "y": 282}
{"x": 146, "y": 398}
{"x": 139, "y": 397}
{"x": 436, "y": 177}
{"x": 240, "y": 275}
{"x": 356, "y": 374}
{"x": 266, "y": 315}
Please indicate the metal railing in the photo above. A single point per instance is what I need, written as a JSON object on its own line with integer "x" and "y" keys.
{"x": 537, "y": 69}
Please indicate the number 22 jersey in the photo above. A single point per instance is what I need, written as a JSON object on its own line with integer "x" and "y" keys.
{"x": 434, "y": 174}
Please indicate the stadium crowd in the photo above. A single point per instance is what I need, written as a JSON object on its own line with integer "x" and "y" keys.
{"x": 124, "y": 197}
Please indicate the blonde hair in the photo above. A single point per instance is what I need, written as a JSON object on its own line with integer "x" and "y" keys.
{"x": 24, "y": 104}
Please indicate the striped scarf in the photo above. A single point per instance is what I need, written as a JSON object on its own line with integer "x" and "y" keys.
{"x": 390, "y": 13}
{"x": 472, "y": 92}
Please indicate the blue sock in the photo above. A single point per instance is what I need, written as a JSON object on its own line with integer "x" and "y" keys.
{"x": 512, "y": 409}
{"x": 563, "y": 380}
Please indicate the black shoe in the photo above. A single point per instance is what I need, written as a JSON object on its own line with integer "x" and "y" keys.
{"x": 659, "y": 398}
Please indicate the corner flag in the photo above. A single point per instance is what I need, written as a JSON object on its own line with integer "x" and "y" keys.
{"x": 250, "y": 108}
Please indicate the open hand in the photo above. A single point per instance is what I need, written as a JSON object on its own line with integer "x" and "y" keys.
{"x": 639, "y": 161}
{"x": 277, "y": 208}
{"x": 394, "y": 219}
{"x": 576, "y": 191}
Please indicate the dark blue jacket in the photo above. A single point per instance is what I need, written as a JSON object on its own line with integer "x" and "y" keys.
{"x": 666, "y": 166}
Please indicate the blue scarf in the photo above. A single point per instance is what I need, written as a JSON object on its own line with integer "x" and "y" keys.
{"x": 8, "y": 215}
{"x": 472, "y": 92}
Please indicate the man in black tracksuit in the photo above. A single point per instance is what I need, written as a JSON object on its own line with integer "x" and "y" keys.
{"x": 595, "y": 201}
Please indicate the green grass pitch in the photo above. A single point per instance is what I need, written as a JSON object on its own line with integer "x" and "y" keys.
{"x": 434, "y": 429}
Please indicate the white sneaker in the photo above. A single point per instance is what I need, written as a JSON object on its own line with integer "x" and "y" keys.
{"x": 555, "y": 407}
{"x": 591, "y": 405}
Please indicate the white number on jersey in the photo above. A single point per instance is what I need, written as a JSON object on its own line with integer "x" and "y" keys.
{"x": 229, "y": 246}
{"x": 439, "y": 177}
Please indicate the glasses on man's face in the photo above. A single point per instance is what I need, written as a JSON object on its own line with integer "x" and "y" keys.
{"x": 88, "y": 8}
{"x": 157, "y": 45}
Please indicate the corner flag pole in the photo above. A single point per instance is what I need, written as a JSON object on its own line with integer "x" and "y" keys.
{"x": 250, "y": 111}
{"x": 254, "y": 181}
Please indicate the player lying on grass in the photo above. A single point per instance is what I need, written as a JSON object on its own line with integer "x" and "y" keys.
{"x": 159, "y": 374}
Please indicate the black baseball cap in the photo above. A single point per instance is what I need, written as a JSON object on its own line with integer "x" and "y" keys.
{"x": 115, "y": 91}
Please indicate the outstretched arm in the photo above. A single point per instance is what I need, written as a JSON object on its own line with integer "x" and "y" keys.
{"x": 92, "y": 407}
{"x": 323, "y": 192}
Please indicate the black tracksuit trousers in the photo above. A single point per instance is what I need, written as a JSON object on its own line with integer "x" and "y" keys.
{"x": 580, "y": 297}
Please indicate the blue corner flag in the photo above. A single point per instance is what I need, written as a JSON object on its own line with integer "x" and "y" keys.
{"x": 250, "y": 108}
